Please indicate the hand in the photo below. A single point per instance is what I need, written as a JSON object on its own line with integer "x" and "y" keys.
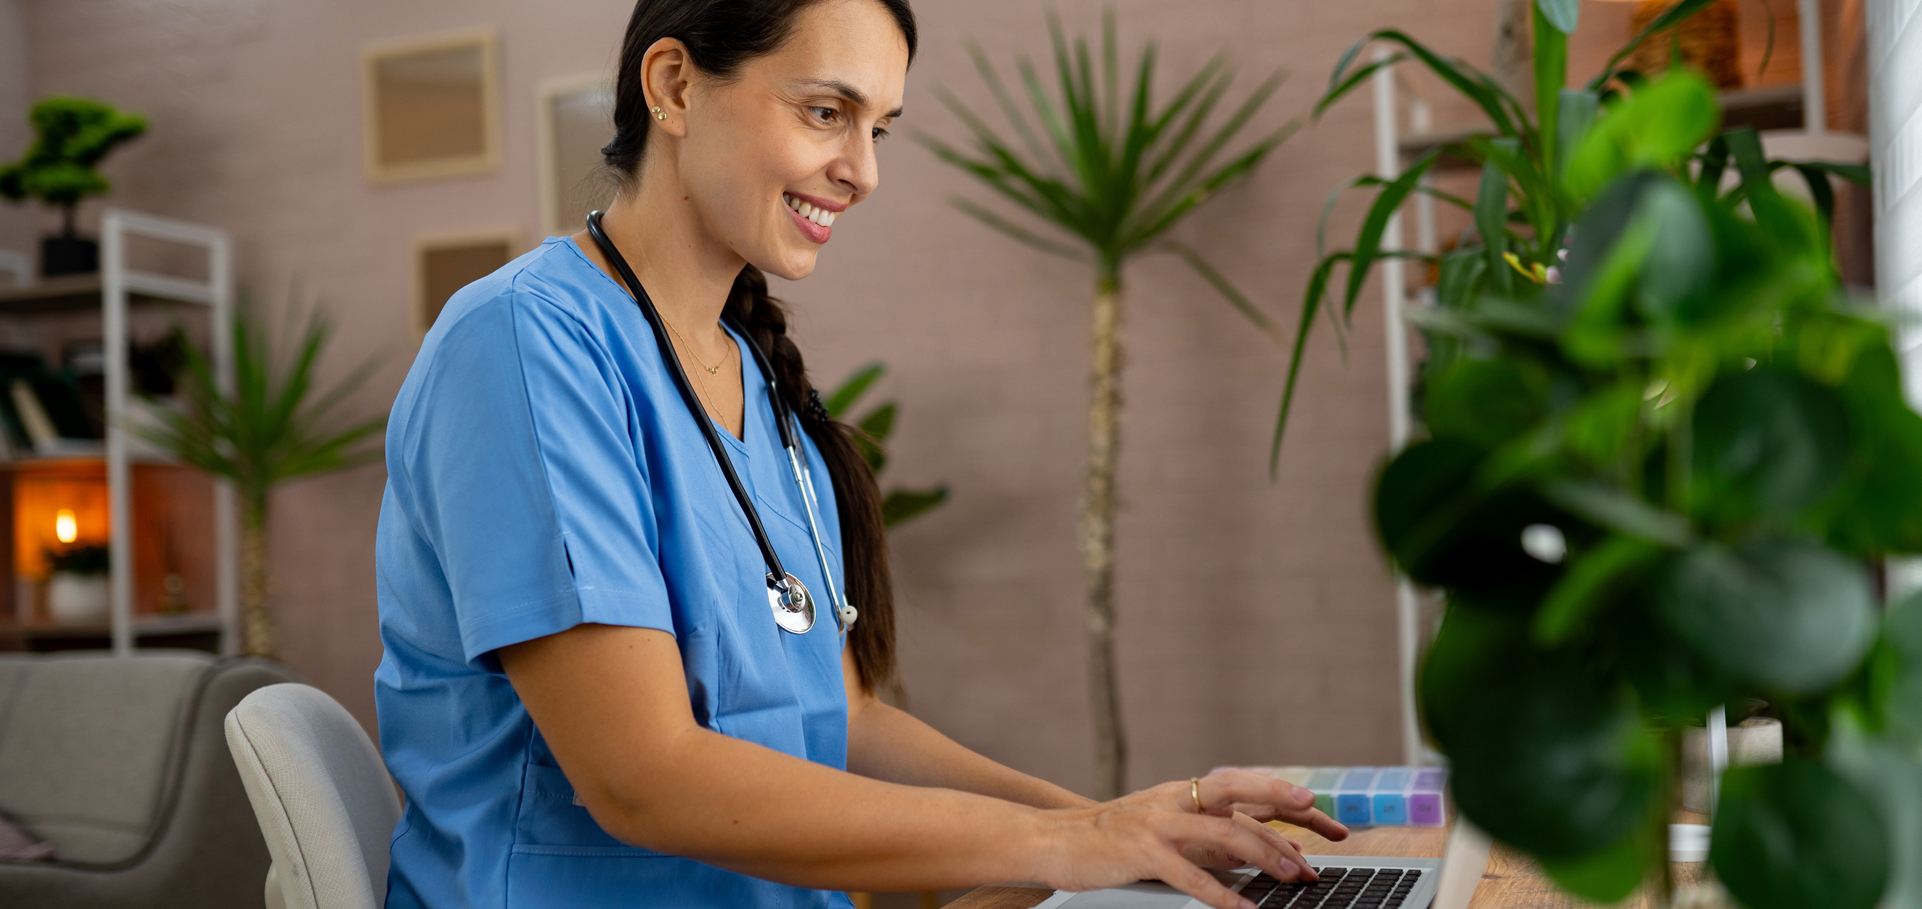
{"x": 1157, "y": 833}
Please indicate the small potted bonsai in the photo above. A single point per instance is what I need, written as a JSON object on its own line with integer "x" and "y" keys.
{"x": 72, "y": 136}
{"x": 77, "y": 584}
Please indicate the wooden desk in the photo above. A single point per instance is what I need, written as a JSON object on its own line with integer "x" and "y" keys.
{"x": 1511, "y": 880}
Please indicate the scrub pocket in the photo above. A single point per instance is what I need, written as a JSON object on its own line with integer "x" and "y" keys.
{"x": 550, "y": 818}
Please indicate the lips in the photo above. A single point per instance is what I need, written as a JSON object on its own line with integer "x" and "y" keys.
{"x": 815, "y": 220}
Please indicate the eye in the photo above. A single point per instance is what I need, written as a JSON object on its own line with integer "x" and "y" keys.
{"x": 880, "y": 133}
{"x": 827, "y": 114}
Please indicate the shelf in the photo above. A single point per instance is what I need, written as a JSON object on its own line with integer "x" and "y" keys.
{"x": 81, "y": 293}
{"x": 1773, "y": 107}
{"x": 144, "y": 626}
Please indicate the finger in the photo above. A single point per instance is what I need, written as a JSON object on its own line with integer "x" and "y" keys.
{"x": 1228, "y": 787}
{"x": 1227, "y": 834}
{"x": 1290, "y": 852}
{"x": 1176, "y": 872}
{"x": 1314, "y": 820}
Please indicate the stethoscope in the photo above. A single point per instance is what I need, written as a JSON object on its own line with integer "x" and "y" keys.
{"x": 792, "y": 604}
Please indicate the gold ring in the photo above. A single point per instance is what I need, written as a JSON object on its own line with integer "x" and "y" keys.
{"x": 1194, "y": 789}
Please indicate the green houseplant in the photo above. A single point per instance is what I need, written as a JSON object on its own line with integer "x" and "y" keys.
{"x": 276, "y": 425}
{"x": 1664, "y": 457}
{"x": 898, "y": 505}
{"x": 1109, "y": 174}
{"x": 72, "y": 135}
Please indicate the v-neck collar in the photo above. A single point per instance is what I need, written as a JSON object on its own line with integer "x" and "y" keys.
{"x": 738, "y": 443}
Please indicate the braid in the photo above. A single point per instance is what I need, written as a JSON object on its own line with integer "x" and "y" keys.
{"x": 864, "y": 542}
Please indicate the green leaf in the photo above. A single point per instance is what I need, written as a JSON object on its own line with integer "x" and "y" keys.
{"x": 1491, "y": 221}
{"x": 1445, "y": 530}
{"x": 1767, "y": 442}
{"x": 1656, "y": 126}
{"x": 1902, "y": 630}
{"x": 1607, "y": 506}
{"x": 1820, "y": 192}
{"x": 1368, "y": 242}
{"x": 1310, "y": 304}
{"x": 1574, "y": 116}
{"x": 1461, "y": 274}
{"x": 1563, "y": 14}
{"x": 1223, "y": 286}
{"x": 853, "y": 387}
{"x": 1889, "y": 773}
{"x": 1542, "y": 756}
{"x": 1471, "y": 83}
{"x": 1783, "y": 615}
{"x": 1487, "y": 402}
{"x": 1606, "y": 876}
{"x": 1681, "y": 256}
{"x": 1551, "y": 69}
{"x": 900, "y": 505}
{"x": 879, "y": 424}
{"x": 1789, "y": 226}
{"x": 1794, "y": 835}
{"x": 1590, "y": 579}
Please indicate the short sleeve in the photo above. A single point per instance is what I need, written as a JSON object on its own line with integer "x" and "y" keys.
{"x": 522, "y": 475}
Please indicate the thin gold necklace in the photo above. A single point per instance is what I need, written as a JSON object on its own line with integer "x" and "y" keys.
{"x": 711, "y": 370}
{"x": 701, "y": 390}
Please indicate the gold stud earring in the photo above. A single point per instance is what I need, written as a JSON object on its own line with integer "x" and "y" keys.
{"x": 658, "y": 113}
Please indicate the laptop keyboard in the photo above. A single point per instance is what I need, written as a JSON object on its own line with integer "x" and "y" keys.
{"x": 1339, "y": 888}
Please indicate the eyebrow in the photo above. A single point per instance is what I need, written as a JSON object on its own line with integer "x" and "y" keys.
{"x": 847, "y": 91}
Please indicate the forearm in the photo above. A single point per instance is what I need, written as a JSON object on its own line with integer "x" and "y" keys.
{"x": 750, "y": 809}
{"x": 889, "y": 744}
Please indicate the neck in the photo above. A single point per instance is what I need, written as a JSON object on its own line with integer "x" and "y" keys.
{"x": 686, "y": 270}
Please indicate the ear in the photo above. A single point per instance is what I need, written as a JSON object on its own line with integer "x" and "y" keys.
{"x": 667, "y": 72}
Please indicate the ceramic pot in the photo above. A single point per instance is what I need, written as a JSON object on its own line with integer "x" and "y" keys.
{"x": 68, "y": 256}
{"x": 77, "y": 599}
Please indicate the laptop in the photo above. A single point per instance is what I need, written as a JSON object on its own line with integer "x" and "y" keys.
{"x": 1347, "y": 882}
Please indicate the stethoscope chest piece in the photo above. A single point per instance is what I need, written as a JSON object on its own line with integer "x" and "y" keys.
{"x": 792, "y": 604}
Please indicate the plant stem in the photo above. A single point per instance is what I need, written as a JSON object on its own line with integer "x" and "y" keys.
{"x": 257, "y": 632}
{"x": 1104, "y": 437}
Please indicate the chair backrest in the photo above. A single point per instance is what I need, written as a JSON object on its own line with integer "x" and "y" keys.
{"x": 321, "y": 794}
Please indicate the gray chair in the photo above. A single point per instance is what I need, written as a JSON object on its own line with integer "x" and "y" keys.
{"x": 118, "y": 763}
{"x": 321, "y": 794}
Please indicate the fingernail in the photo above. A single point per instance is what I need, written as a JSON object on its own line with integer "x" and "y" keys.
{"x": 1245, "y": 904}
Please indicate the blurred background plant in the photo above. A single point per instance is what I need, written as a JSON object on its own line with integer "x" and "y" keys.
{"x": 898, "y": 505}
{"x": 275, "y": 425}
{"x": 1666, "y": 459}
{"x": 1115, "y": 174}
{"x": 72, "y": 135}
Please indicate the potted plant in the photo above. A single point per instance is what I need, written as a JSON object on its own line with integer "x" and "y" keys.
{"x": 77, "y": 584}
{"x": 276, "y": 425}
{"x": 1665, "y": 458}
{"x": 72, "y": 135}
{"x": 1108, "y": 175}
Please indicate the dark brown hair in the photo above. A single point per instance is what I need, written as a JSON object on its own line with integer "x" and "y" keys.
{"x": 720, "y": 36}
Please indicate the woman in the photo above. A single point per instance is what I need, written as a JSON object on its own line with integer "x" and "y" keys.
{"x": 584, "y": 694}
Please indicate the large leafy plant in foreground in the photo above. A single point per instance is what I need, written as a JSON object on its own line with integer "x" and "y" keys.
{"x": 1655, "y": 482}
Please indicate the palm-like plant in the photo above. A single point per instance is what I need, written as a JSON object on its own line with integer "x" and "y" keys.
{"x": 274, "y": 426}
{"x": 1110, "y": 175}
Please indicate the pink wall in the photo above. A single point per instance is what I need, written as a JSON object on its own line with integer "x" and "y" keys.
{"x": 1256, "y": 618}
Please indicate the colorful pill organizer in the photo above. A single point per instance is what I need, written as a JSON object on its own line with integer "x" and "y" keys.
{"x": 1372, "y": 796}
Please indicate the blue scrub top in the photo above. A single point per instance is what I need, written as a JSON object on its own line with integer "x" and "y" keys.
{"x": 543, "y": 472}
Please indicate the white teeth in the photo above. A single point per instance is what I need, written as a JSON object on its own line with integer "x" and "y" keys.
{"x": 806, "y": 210}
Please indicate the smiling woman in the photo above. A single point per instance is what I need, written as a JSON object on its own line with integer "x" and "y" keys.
{"x": 590, "y": 513}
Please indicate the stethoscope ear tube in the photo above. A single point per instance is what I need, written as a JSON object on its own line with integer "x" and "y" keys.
{"x": 787, "y": 596}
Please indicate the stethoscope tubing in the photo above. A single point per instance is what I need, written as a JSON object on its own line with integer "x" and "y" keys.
{"x": 788, "y": 431}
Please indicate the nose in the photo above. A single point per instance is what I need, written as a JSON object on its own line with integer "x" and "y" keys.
{"x": 856, "y": 170}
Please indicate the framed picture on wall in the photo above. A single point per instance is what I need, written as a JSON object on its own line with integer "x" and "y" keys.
{"x": 576, "y": 120}
{"x": 430, "y": 107}
{"x": 447, "y": 262}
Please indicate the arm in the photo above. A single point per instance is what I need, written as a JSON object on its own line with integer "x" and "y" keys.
{"x": 885, "y": 743}
{"x": 612, "y": 704}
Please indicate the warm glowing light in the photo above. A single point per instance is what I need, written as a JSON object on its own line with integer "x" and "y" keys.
{"x": 65, "y": 528}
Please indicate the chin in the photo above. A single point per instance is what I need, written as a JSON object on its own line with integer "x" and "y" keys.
{"x": 791, "y": 267}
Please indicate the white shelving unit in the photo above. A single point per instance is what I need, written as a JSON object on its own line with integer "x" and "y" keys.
{"x": 114, "y": 290}
{"x": 1394, "y": 145}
